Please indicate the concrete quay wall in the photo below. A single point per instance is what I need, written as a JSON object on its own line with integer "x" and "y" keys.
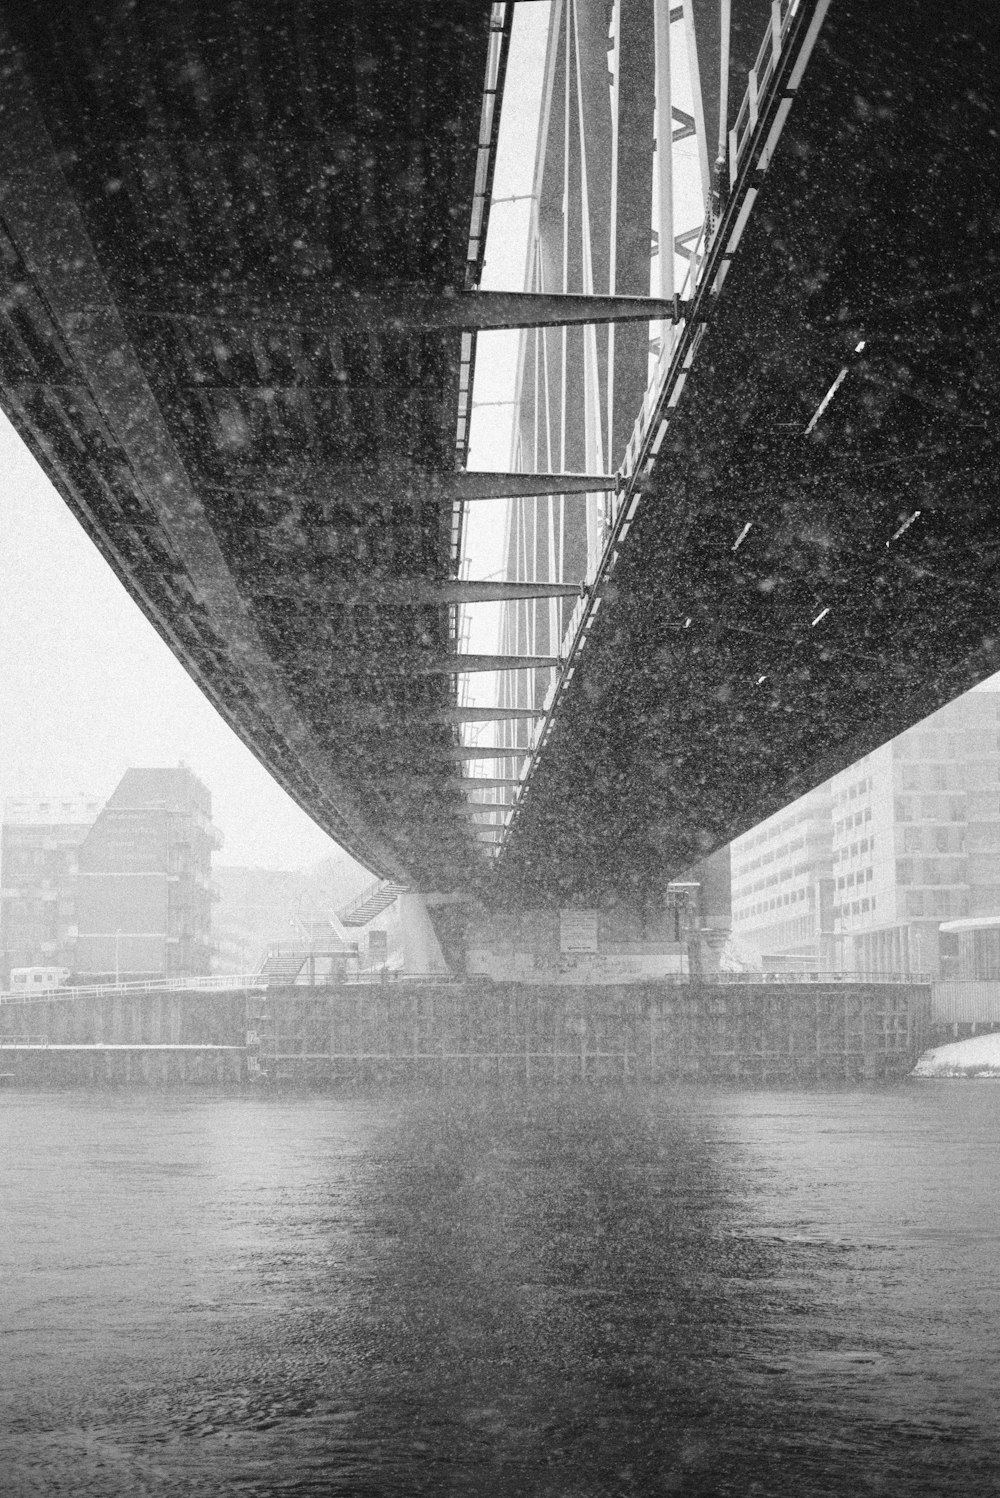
{"x": 742, "y": 1032}
{"x": 713, "y": 1032}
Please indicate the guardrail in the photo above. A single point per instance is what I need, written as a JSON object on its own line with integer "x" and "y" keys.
{"x": 384, "y": 978}
{"x": 501, "y": 20}
{"x": 209, "y": 984}
{"x": 893, "y": 979}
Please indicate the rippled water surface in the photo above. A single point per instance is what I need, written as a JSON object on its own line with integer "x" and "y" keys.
{"x": 505, "y": 1293}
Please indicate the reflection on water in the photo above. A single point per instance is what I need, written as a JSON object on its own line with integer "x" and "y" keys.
{"x": 658, "y": 1292}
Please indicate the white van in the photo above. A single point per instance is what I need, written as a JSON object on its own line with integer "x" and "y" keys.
{"x": 29, "y": 980}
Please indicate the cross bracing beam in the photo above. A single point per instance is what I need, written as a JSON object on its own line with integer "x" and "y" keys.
{"x": 511, "y": 485}
{"x": 488, "y": 751}
{"x": 372, "y": 714}
{"x": 452, "y": 664}
{"x": 416, "y": 592}
{"x": 418, "y": 311}
{"x": 475, "y": 782}
{"x": 297, "y": 485}
{"x": 456, "y": 590}
{"x": 485, "y": 714}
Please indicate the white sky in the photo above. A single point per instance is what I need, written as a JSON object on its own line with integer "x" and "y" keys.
{"x": 89, "y": 688}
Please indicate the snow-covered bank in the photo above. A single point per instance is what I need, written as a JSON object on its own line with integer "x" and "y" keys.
{"x": 979, "y": 1056}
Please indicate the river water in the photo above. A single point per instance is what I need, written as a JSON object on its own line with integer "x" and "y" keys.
{"x": 661, "y": 1291}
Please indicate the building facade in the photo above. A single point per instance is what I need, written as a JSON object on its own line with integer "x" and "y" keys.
{"x": 144, "y": 896}
{"x": 783, "y": 885}
{"x": 39, "y": 846}
{"x": 913, "y": 839}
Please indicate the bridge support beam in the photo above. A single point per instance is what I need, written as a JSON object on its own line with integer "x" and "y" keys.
{"x": 455, "y": 664}
{"x": 414, "y": 310}
{"x": 487, "y": 751}
{"x": 417, "y": 590}
{"x": 476, "y": 782}
{"x": 472, "y": 485}
{"x": 295, "y": 484}
{"x": 486, "y": 714}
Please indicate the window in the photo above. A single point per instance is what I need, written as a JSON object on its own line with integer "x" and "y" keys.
{"x": 915, "y": 902}
{"x": 912, "y": 839}
{"x": 904, "y": 870}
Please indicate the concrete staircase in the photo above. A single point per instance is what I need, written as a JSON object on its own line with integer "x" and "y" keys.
{"x": 282, "y": 966}
{"x": 371, "y": 902}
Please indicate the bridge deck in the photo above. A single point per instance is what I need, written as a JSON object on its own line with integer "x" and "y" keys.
{"x": 815, "y": 565}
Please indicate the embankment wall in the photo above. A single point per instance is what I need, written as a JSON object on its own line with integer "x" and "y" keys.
{"x": 751, "y": 1033}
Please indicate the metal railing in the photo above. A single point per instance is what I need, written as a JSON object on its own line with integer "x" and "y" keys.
{"x": 501, "y": 20}
{"x": 210, "y": 984}
{"x": 810, "y": 976}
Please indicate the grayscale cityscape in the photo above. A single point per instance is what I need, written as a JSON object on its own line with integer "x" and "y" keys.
{"x": 500, "y": 761}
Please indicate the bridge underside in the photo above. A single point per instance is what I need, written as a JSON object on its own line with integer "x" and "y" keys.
{"x": 209, "y": 229}
{"x": 176, "y": 180}
{"x": 797, "y": 588}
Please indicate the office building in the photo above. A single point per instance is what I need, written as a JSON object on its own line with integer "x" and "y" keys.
{"x": 905, "y": 841}
{"x": 783, "y": 886}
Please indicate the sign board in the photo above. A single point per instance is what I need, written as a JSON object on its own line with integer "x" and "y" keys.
{"x": 578, "y": 930}
{"x": 377, "y": 945}
{"x": 580, "y": 969}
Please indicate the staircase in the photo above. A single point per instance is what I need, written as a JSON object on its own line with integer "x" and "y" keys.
{"x": 371, "y": 902}
{"x": 281, "y": 966}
